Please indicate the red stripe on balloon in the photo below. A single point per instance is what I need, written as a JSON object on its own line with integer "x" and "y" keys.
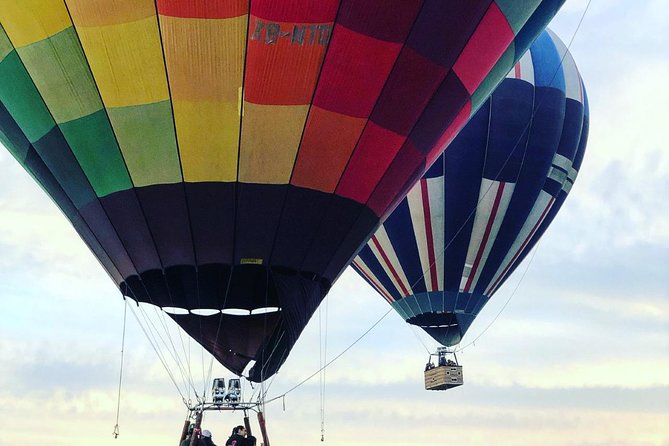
{"x": 486, "y": 236}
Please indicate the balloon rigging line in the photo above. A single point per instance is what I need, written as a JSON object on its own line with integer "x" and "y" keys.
{"x": 186, "y": 377}
{"x": 185, "y": 373}
{"x": 534, "y": 252}
{"x": 155, "y": 349}
{"x": 322, "y": 346}
{"x": 120, "y": 377}
{"x": 333, "y": 359}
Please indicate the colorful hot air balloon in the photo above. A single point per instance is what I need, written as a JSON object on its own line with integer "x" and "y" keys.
{"x": 216, "y": 155}
{"x": 467, "y": 224}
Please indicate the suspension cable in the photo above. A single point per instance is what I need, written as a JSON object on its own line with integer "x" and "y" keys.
{"x": 333, "y": 359}
{"x": 120, "y": 377}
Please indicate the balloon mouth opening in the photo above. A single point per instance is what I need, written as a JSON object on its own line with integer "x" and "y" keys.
{"x": 226, "y": 311}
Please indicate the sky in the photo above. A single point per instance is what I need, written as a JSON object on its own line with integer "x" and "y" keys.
{"x": 573, "y": 350}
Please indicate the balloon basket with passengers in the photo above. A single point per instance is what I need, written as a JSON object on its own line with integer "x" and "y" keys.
{"x": 226, "y": 164}
{"x": 224, "y": 399}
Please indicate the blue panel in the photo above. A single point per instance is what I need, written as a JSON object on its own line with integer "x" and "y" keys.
{"x": 405, "y": 246}
{"x": 571, "y": 131}
{"x": 510, "y": 119}
{"x": 548, "y": 71}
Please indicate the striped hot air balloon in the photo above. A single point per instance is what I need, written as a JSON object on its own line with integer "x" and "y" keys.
{"x": 471, "y": 219}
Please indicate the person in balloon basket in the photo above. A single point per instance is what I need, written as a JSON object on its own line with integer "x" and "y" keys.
{"x": 186, "y": 441}
{"x": 206, "y": 439}
{"x": 239, "y": 438}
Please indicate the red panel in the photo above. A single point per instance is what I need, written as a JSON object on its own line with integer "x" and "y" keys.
{"x": 327, "y": 144}
{"x": 203, "y": 9}
{"x": 299, "y": 11}
{"x": 354, "y": 72}
{"x": 411, "y": 84}
{"x": 283, "y": 61}
{"x": 450, "y": 133}
{"x": 407, "y": 168}
{"x": 490, "y": 40}
{"x": 372, "y": 156}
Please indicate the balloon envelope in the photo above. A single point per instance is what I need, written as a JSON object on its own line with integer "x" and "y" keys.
{"x": 216, "y": 155}
{"x": 471, "y": 219}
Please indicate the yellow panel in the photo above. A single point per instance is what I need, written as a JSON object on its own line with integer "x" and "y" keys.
{"x": 208, "y": 135}
{"x": 205, "y": 57}
{"x": 29, "y": 21}
{"x": 270, "y": 138}
{"x": 127, "y": 62}
{"x": 109, "y": 12}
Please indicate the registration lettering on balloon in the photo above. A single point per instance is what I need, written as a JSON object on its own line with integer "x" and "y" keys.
{"x": 311, "y": 34}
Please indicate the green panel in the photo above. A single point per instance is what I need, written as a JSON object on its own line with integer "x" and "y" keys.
{"x": 146, "y": 136}
{"x": 60, "y": 71}
{"x": 517, "y": 11}
{"x": 22, "y": 100}
{"x": 398, "y": 307}
{"x": 94, "y": 145}
{"x": 493, "y": 79}
{"x": 6, "y": 46}
{"x": 423, "y": 301}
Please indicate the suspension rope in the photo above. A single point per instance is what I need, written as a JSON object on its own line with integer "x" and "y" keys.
{"x": 186, "y": 374}
{"x": 158, "y": 353}
{"x": 120, "y": 377}
{"x": 156, "y": 333}
{"x": 332, "y": 360}
{"x": 534, "y": 251}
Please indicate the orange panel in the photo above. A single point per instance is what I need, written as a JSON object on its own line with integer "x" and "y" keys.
{"x": 283, "y": 61}
{"x": 105, "y": 12}
{"x": 326, "y": 147}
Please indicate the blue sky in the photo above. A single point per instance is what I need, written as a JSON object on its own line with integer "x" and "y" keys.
{"x": 579, "y": 356}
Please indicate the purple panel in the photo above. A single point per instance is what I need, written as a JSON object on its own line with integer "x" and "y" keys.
{"x": 338, "y": 220}
{"x": 388, "y": 20}
{"x": 166, "y": 214}
{"x": 212, "y": 216}
{"x": 130, "y": 225}
{"x": 232, "y": 340}
{"x": 454, "y": 23}
{"x": 300, "y": 220}
{"x": 408, "y": 89}
{"x": 258, "y": 212}
{"x": 347, "y": 248}
{"x": 98, "y": 220}
{"x": 439, "y": 113}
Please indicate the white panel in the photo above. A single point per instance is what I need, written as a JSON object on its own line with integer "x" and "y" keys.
{"x": 362, "y": 267}
{"x": 417, "y": 212}
{"x": 524, "y": 69}
{"x": 435, "y": 192}
{"x": 571, "y": 76}
{"x": 484, "y": 217}
{"x": 386, "y": 255}
{"x": 537, "y": 215}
